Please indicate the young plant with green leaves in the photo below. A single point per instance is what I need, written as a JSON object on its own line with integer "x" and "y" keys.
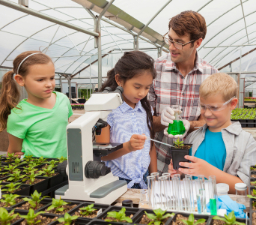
{"x": 12, "y": 187}
{"x": 57, "y": 205}
{"x": 16, "y": 176}
{"x": 40, "y": 160}
{"x": 48, "y": 171}
{"x": 158, "y": 217}
{"x": 253, "y": 183}
{"x": 10, "y": 169}
{"x": 30, "y": 218}
{"x": 178, "y": 143}
{"x": 62, "y": 159}
{"x": 35, "y": 200}
{"x": 53, "y": 163}
{"x": 229, "y": 219}
{"x": 29, "y": 169}
{"x": 191, "y": 220}
{"x": 10, "y": 157}
{"x": 67, "y": 219}
{"x": 88, "y": 210}
{"x": 31, "y": 177}
{"x": 253, "y": 194}
{"x": 18, "y": 162}
{"x": 9, "y": 199}
{"x": 118, "y": 216}
{"x": 5, "y": 217}
{"x": 28, "y": 158}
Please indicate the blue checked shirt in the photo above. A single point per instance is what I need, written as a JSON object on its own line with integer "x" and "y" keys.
{"x": 124, "y": 122}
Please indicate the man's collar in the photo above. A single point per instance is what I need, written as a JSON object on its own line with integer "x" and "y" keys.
{"x": 170, "y": 65}
{"x": 125, "y": 107}
{"x": 235, "y": 128}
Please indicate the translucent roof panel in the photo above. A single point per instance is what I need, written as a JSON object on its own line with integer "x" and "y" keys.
{"x": 229, "y": 25}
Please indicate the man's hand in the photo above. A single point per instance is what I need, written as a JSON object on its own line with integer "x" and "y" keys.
{"x": 167, "y": 116}
{"x": 171, "y": 170}
{"x": 196, "y": 167}
{"x": 186, "y": 124}
{"x": 136, "y": 142}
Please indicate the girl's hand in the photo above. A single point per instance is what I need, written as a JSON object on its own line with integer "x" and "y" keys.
{"x": 136, "y": 142}
{"x": 196, "y": 167}
{"x": 18, "y": 154}
{"x": 171, "y": 170}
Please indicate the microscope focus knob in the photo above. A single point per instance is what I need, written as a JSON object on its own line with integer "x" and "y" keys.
{"x": 61, "y": 168}
{"x": 95, "y": 169}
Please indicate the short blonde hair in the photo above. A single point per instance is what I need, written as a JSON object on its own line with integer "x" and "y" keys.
{"x": 219, "y": 83}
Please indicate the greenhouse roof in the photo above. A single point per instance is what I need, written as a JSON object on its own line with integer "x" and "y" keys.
{"x": 230, "y": 24}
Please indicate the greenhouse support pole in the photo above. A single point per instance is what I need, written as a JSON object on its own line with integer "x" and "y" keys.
{"x": 69, "y": 88}
{"x": 98, "y": 39}
{"x": 60, "y": 83}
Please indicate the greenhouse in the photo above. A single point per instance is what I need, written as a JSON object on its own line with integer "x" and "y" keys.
{"x": 128, "y": 112}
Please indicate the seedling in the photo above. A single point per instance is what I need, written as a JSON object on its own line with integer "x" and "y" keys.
{"x": 29, "y": 169}
{"x": 178, "y": 143}
{"x": 228, "y": 219}
{"x": 41, "y": 160}
{"x": 87, "y": 210}
{"x": 5, "y": 217}
{"x": 28, "y": 158}
{"x": 31, "y": 217}
{"x": 191, "y": 220}
{"x": 158, "y": 217}
{"x": 9, "y": 200}
{"x": 53, "y": 163}
{"x": 35, "y": 200}
{"x": 62, "y": 159}
{"x": 67, "y": 219}
{"x": 31, "y": 177}
{"x": 118, "y": 216}
{"x": 10, "y": 157}
{"x": 10, "y": 188}
{"x": 10, "y": 169}
{"x": 18, "y": 162}
{"x": 48, "y": 171}
{"x": 253, "y": 183}
{"x": 14, "y": 177}
{"x": 57, "y": 204}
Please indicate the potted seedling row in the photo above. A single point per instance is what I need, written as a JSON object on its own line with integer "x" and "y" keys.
{"x": 157, "y": 216}
{"x": 178, "y": 152}
{"x": 15, "y": 188}
{"x": 190, "y": 219}
{"x": 90, "y": 211}
{"x": 68, "y": 219}
{"x": 229, "y": 219}
{"x": 9, "y": 201}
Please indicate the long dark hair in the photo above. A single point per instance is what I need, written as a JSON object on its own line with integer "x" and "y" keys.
{"x": 10, "y": 95}
{"x": 129, "y": 65}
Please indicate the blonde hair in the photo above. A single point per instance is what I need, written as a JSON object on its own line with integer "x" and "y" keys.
{"x": 219, "y": 83}
{"x": 10, "y": 95}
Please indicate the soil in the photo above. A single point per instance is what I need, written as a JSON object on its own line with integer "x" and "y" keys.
{"x": 93, "y": 215}
{"x": 44, "y": 220}
{"x": 35, "y": 182}
{"x": 111, "y": 218}
{"x": 183, "y": 147}
{"x": 3, "y": 175}
{"x": 18, "y": 200}
{"x": 180, "y": 217}
{"x": 146, "y": 220}
{"x": 254, "y": 218}
{"x": 15, "y": 219}
{"x": 13, "y": 191}
{"x": 252, "y": 193}
{"x": 253, "y": 184}
{"x": 27, "y": 206}
{"x": 67, "y": 208}
{"x": 73, "y": 223}
{"x": 253, "y": 206}
{"x": 253, "y": 169}
{"x": 253, "y": 175}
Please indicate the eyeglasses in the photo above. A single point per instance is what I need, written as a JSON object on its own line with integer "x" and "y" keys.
{"x": 177, "y": 45}
{"x": 216, "y": 108}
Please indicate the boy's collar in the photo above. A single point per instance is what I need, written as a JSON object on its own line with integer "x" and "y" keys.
{"x": 235, "y": 128}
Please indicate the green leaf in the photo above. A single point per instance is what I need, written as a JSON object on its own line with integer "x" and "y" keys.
{"x": 128, "y": 219}
{"x": 191, "y": 219}
{"x": 157, "y": 222}
{"x": 199, "y": 221}
{"x": 168, "y": 215}
{"x": 150, "y": 216}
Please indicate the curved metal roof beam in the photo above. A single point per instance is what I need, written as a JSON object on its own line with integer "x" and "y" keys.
{"x": 227, "y": 27}
{"x": 231, "y": 52}
{"x": 204, "y": 5}
{"x": 227, "y": 39}
{"x": 221, "y": 16}
{"x": 90, "y": 56}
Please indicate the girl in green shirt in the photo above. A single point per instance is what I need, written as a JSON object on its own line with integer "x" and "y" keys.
{"x": 36, "y": 125}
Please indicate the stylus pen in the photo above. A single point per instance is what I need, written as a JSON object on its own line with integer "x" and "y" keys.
{"x": 159, "y": 142}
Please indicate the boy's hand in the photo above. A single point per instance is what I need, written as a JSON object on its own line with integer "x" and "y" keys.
{"x": 136, "y": 142}
{"x": 171, "y": 170}
{"x": 196, "y": 167}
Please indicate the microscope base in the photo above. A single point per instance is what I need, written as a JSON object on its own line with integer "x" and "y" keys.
{"x": 106, "y": 194}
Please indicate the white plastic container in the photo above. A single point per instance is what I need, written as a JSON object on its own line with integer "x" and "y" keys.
{"x": 222, "y": 189}
{"x": 241, "y": 192}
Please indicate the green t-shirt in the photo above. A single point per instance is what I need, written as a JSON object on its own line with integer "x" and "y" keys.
{"x": 43, "y": 130}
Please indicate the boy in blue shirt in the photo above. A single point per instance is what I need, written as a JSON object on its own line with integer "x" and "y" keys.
{"x": 220, "y": 147}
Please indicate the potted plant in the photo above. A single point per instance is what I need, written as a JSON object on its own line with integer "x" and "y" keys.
{"x": 67, "y": 219}
{"x": 9, "y": 200}
{"x": 7, "y": 218}
{"x": 228, "y": 219}
{"x": 54, "y": 177}
{"x": 155, "y": 217}
{"x": 120, "y": 216}
{"x": 16, "y": 188}
{"x": 15, "y": 177}
{"x": 186, "y": 219}
{"x": 178, "y": 152}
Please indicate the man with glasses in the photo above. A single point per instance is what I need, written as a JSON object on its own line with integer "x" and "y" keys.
{"x": 179, "y": 76}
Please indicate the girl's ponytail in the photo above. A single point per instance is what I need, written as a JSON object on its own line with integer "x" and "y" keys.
{"x": 111, "y": 82}
{"x": 9, "y": 98}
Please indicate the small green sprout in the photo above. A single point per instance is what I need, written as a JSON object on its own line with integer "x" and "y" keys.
{"x": 62, "y": 159}
{"x": 48, "y": 171}
{"x": 67, "y": 219}
{"x": 9, "y": 199}
{"x": 228, "y": 219}
{"x": 158, "y": 217}
{"x": 178, "y": 143}
{"x": 31, "y": 177}
{"x": 10, "y": 188}
{"x": 31, "y": 217}
{"x": 87, "y": 210}
{"x": 5, "y": 217}
{"x": 118, "y": 216}
{"x": 191, "y": 220}
{"x": 57, "y": 204}
{"x": 35, "y": 200}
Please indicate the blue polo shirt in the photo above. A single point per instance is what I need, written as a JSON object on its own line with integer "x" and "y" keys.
{"x": 125, "y": 121}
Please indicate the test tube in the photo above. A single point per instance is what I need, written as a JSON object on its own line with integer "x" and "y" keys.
{"x": 155, "y": 174}
{"x": 177, "y": 193}
{"x": 202, "y": 190}
{"x": 198, "y": 193}
{"x": 163, "y": 192}
{"x": 168, "y": 190}
{"x": 151, "y": 190}
{"x": 213, "y": 195}
{"x": 191, "y": 192}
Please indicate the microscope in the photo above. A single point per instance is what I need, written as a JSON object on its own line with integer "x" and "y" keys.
{"x": 88, "y": 178}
